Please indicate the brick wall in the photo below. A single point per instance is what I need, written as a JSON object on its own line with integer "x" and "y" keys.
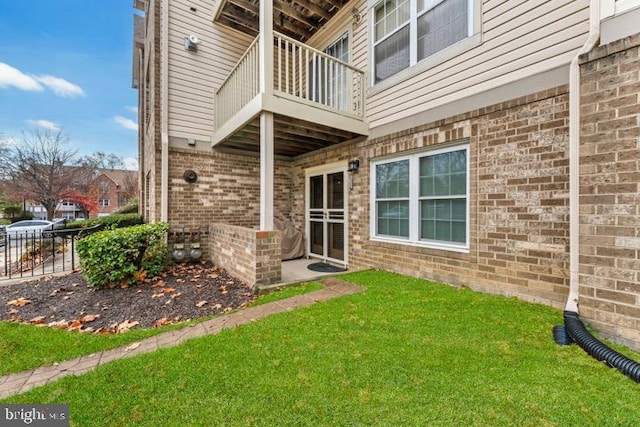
{"x": 610, "y": 191}
{"x": 250, "y": 255}
{"x": 518, "y": 199}
{"x": 227, "y": 189}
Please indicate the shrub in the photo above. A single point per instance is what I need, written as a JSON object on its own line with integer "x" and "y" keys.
{"x": 110, "y": 221}
{"x": 130, "y": 208}
{"x": 124, "y": 255}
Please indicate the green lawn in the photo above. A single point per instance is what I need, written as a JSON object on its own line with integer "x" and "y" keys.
{"x": 404, "y": 353}
{"x": 31, "y": 346}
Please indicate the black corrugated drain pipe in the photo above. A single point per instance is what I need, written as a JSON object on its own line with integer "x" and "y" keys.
{"x": 574, "y": 331}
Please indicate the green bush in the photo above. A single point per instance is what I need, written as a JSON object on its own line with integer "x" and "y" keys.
{"x": 130, "y": 208}
{"x": 124, "y": 255}
{"x": 110, "y": 221}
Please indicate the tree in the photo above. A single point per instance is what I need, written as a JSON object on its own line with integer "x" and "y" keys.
{"x": 86, "y": 202}
{"x": 42, "y": 169}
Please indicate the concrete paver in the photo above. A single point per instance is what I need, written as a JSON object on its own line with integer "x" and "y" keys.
{"x": 23, "y": 381}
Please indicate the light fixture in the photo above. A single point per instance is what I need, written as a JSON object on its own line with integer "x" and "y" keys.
{"x": 191, "y": 43}
{"x": 356, "y": 16}
{"x": 354, "y": 165}
{"x": 190, "y": 176}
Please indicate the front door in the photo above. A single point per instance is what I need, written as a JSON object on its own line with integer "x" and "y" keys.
{"x": 327, "y": 215}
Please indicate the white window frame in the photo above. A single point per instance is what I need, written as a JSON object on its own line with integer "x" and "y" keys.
{"x": 414, "y": 200}
{"x": 102, "y": 202}
{"x": 416, "y": 66}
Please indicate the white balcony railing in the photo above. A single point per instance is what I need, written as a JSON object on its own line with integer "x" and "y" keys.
{"x": 240, "y": 87}
{"x": 301, "y": 73}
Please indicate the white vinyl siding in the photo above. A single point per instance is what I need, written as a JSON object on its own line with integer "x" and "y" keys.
{"x": 195, "y": 76}
{"x": 422, "y": 198}
{"x": 518, "y": 39}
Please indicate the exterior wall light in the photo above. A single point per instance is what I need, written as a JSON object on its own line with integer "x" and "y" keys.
{"x": 190, "y": 176}
{"x": 191, "y": 43}
{"x": 356, "y": 17}
{"x": 354, "y": 165}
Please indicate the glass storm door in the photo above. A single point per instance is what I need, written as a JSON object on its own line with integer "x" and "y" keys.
{"x": 326, "y": 216}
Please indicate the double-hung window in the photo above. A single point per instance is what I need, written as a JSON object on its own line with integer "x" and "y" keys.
{"x": 408, "y": 31}
{"x": 422, "y": 198}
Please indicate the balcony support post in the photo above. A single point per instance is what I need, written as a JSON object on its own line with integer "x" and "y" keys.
{"x": 265, "y": 48}
{"x": 266, "y": 170}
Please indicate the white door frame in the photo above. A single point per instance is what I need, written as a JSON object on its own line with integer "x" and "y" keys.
{"x": 324, "y": 170}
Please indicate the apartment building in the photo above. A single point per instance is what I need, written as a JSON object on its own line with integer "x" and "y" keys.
{"x": 491, "y": 144}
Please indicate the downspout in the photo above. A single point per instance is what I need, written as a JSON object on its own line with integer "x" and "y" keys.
{"x": 574, "y": 155}
{"x": 164, "y": 113}
{"x": 573, "y": 329}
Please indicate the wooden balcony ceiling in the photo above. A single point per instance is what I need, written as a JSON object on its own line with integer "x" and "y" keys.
{"x": 299, "y": 19}
{"x": 292, "y": 137}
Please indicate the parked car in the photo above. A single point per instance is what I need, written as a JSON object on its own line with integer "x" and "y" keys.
{"x": 3, "y": 234}
{"x": 28, "y": 228}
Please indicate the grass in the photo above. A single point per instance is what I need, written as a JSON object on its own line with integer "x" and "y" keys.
{"x": 32, "y": 346}
{"x": 287, "y": 292}
{"x": 404, "y": 353}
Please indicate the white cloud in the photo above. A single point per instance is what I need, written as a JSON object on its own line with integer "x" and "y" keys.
{"x": 12, "y": 77}
{"x": 44, "y": 124}
{"x": 61, "y": 87}
{"x": 130, "y": 163}
{"x": 132, "y": 108}
{"x": 125, "y": 123}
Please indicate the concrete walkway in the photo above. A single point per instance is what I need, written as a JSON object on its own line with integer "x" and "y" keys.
{"x": 23, "y": 381}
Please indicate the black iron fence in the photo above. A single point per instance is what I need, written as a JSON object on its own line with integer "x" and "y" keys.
{"x": 31, "y": 254}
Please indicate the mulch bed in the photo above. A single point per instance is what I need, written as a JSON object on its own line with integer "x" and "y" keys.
{"x": 183, "y": 292}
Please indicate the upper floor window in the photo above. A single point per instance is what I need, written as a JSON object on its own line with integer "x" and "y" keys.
{"x": 103, "y": 202}
{"x": 408, "y": 31}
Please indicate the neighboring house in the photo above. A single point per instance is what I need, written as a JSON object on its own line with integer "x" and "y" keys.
{"x": 436, "y": 138}
{"x": 111, "y": 189}
{"x": 114, "y": 188}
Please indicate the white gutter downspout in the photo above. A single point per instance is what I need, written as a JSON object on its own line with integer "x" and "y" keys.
{"x": 164, "y": 107}
{"x": 574, "y": 156}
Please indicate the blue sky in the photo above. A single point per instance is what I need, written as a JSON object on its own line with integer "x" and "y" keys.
{"x": 66, "y": 64}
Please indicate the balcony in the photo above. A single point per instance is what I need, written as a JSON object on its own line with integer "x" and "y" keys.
{"x": 316, "y": 99}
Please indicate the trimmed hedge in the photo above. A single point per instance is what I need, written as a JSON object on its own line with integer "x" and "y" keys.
{"x": 117, "y": 220}
{"x": 130, "y": 208}
{"x": 124, "y": 256}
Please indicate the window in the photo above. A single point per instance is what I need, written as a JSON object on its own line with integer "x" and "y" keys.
{"x": 103, "y": 202}
{"x": 422, "y": 198}
{"x": 330, "y": 85}
{"x": 435, "y": 25}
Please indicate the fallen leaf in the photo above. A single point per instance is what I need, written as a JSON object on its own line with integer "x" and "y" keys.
{"x": 158, "y": 295}
{"x": 180, "y": 280}
{"x": 125, "y": 326}
{"x": 89, "y": 318}
{"x": 167, "y": 290}
{"x": 176, "y": 295}
{"x": 159, "y": 284}
{"x": 19, "y": 302}
{"x": 66, "y": 297}
{"x": 201, "y": 303}
{"x": 132, "y": 346}
{"x": 217, "y": 306}
{"x": 161, "y": 322}
{"x": 37, "y": 320}
{"x": 61, "y": 324}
